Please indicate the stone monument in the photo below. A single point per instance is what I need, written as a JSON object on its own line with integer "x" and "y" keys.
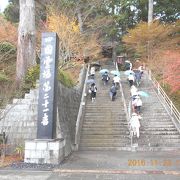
{"x": 46, "y": 148}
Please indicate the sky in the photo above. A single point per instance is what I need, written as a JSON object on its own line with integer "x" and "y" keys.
{"x": 3, "y": 4}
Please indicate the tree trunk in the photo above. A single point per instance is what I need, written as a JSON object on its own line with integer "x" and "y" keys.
{"x": 26, "y": 54}
{"x": 150, "y": 19}
{"x": 150, "y": 11}
{"x": 80, "y": 19}
{"x": 114, "y": 55}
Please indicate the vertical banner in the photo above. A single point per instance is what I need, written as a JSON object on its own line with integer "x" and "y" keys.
{"x": 47, "y": 108}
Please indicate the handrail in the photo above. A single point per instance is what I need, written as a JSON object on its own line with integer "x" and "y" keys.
{"x": 173, "y": 110}
{"x": 127, "y": 108}
{"x": 79, "y": 117}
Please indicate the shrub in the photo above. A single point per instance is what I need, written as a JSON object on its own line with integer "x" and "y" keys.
{"x": 32, "y": 75}
{"x": 3, "y": 77}
{"x": 65, "y": 78}
{"x": 7, "y": 47}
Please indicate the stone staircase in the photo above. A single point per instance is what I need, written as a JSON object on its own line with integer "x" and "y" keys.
{"x": 105, "y": 124}
{"x": 157, "y": 129}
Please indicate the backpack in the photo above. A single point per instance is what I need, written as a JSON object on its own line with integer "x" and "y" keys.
{"x": 93, "y": 88}
{"x": 105, "y": 77}
{"x": 113, "y": 89}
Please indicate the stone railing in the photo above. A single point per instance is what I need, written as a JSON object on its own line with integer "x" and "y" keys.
{"x": 79, "y": 121}
{"x": 127, "y": 108}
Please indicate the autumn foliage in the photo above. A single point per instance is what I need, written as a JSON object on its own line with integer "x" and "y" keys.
{"x": 8, "y": 41}
{"x": 8, "y": 32}
{"x": 146, "y": 39}
{"x": 172, "y": 69}
{"x": 158, "y": 46}
{"x": 72, "y": 42}
{"x": 68, "y": 32}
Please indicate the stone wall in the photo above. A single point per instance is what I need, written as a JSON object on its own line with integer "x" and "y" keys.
{"x": 68, "y": 106}
{"x": 19, "y": 119}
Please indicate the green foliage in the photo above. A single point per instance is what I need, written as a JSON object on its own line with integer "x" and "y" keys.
{"x": 19, "y": 150}
{"x": 65, "y": 78}
{"x": 1, "y": 139}
{"x": 167, "y": 10}
{"x": 31, "y": 77}
{"x": 11, "y": 13}
{"x": 4, "y": 77}
{"x": 7, "y": 47}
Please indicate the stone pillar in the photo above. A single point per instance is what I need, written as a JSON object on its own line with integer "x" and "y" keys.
{"x": 47, "y": 149}
{"x": 47, "y": 106}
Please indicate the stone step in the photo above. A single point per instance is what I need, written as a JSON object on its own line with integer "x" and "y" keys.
{"x": 103, "y": 101}
{"x": 104, "y": 141}
{"x": 158, "y": 129}
{"x": 155, "y": 149}
{"x": 108, "y": 127}
{"x": 148, "y": 104}
{"x": 20, "y": 114}
{"x": 107, "y": 118}
{"x": 104, "y": 112}
{"x": 105, "y": 136}
{"x": 162, "y": 140}
{"x": 16, "y": 101}
{"x": 123, "y": 148}
{"x": 105, "y": 123}
{"x": 164, "y": 136}
{"x": 28, "y": 96}
{"x": 157, "y": 126}
{"x": 106, "y": 98}
{"x": 155, "y": 118}
{"x": 103, "y": 126}
{"x": 110, "y": 144}
{"x": 20, "y": 107}
{"x": 104, "y": 133}
{"x": 160, "y": 132}
{"x": 160, "y": 144}
{"x": 152, "y": 119}
{"x": 155, "y": 109}
{"x": 104, "y": 107}
{"x": 113, "y": 105}
{"x": 110, "y": 117}
{"x": 96, "y": 131}
{"x": 155, "y": 114}
{"x": 157, "y": 123}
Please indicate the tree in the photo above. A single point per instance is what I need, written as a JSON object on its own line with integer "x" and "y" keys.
{"x": 12, "y": 11}
{"x": 72, "y": 42}
{"x": 26, "y": 39}
{"x": 150, "y": 11}
{"x": 162, "y": 38}
{"x": 172, "y": 69}
{"x": 167, "y": 10}
{"x": 68, "y": 32}
{"x": 84, "y": 13}
{"x": 8, "y": 31}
